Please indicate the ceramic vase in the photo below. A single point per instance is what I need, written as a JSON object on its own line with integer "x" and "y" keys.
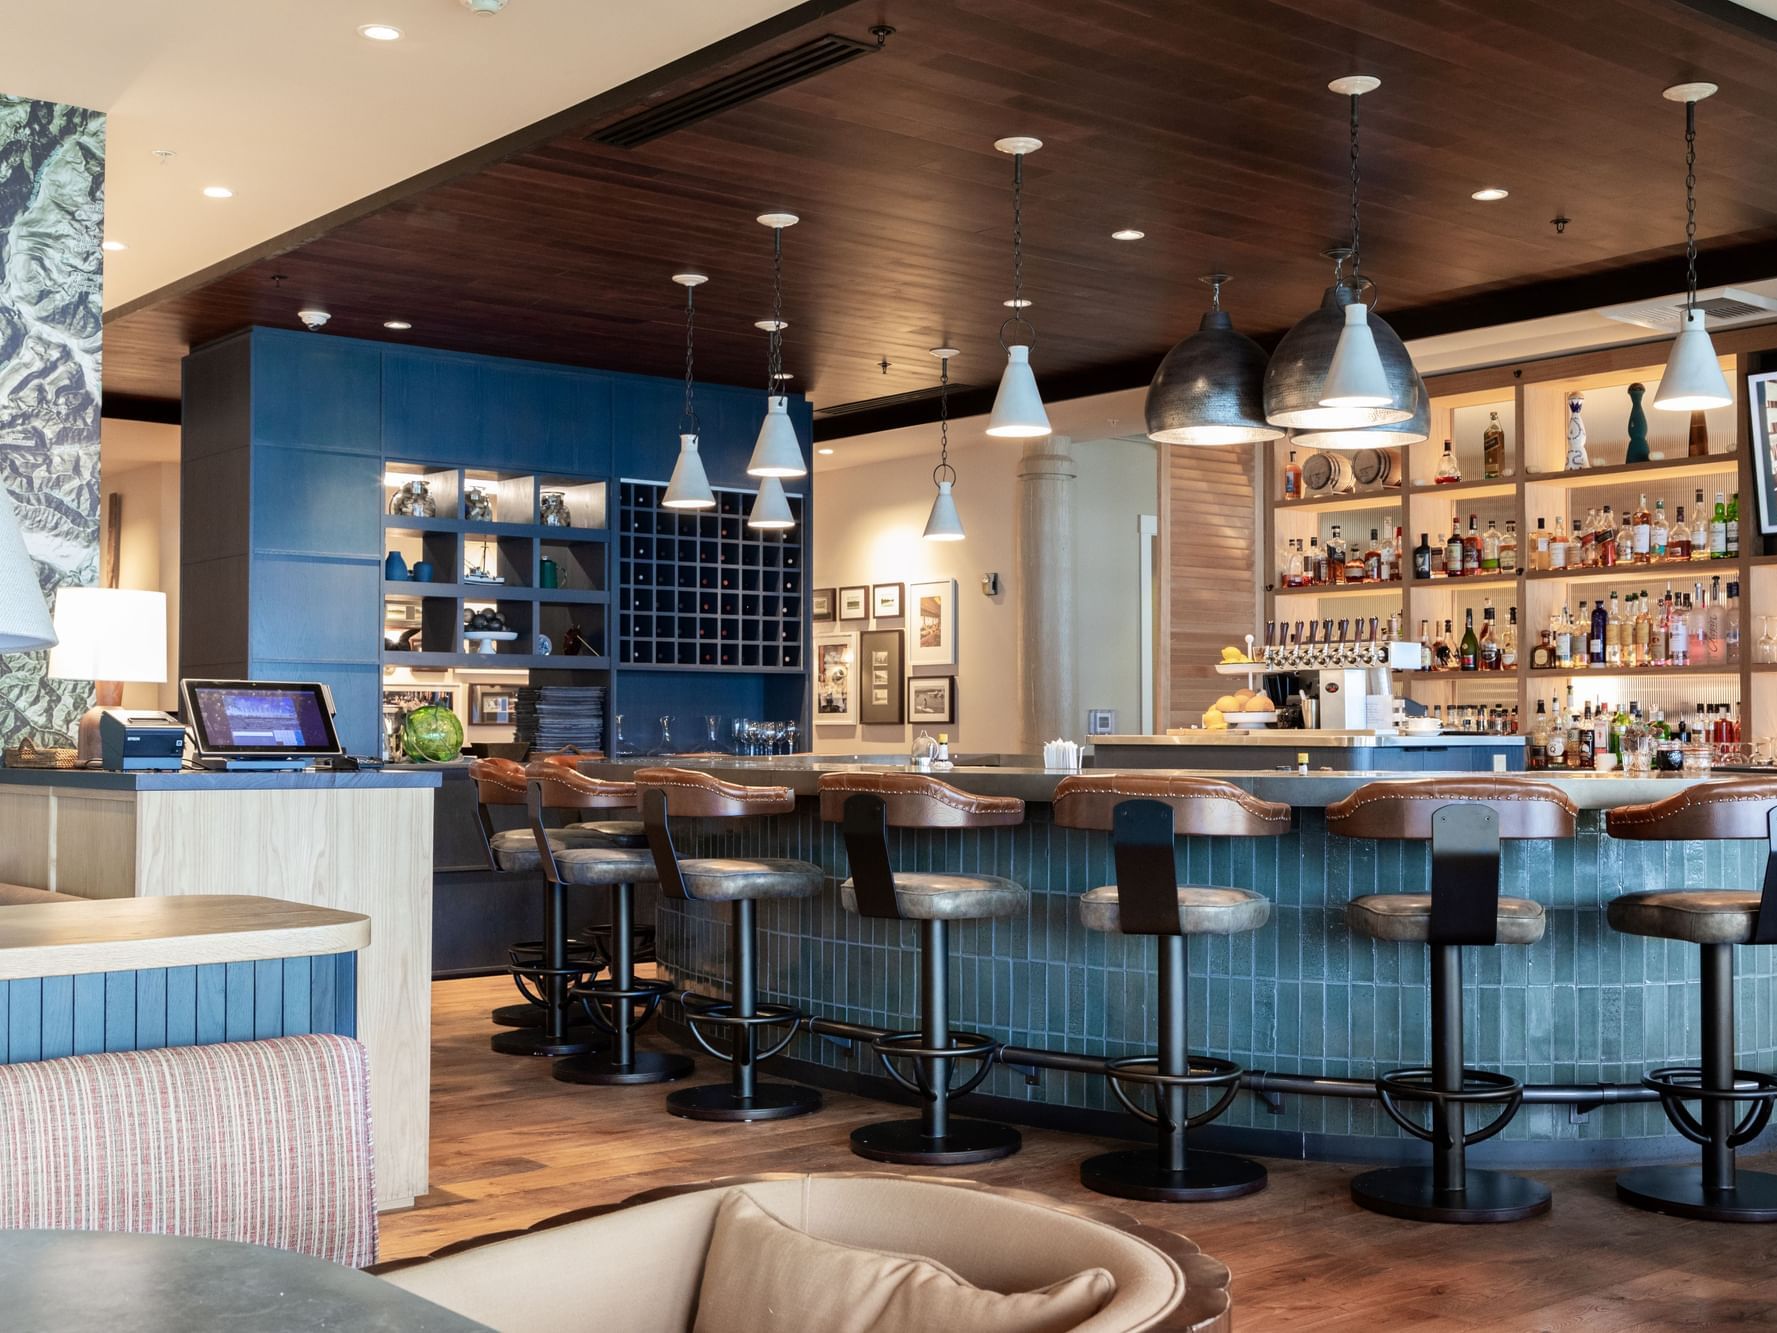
{"x": 1637, "y": 452}
{"x": 1577, "y": 461}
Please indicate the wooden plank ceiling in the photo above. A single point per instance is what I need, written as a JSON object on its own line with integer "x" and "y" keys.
{"x": 1207, "y": 125}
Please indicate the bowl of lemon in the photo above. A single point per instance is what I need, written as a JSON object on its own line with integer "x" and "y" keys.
{"x": 1243, "y": 708}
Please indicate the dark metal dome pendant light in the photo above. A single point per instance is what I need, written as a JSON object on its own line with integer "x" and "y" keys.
{"x": 1210, "y": 389}
{"x": 945, "y": 524}
{"x": 1693, "y": 381}
{"x": 690, "y": 484}
{"x": 1336, "y": 377}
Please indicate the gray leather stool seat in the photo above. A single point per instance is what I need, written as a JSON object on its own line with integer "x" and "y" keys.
{"x": 604, "y": 866}
{"x": 934, "y": 897}
{"x": 727, "y": 879}
{"x": 1407, "y": 917}
{"x": 1201, "y": 911}
{"x": 516, "y": 849}
{"x": 1697, "y": 916}
{"x": 622, "y": 832}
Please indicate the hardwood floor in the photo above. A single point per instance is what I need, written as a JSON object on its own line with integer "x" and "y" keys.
{"x": 510, "y": 1146}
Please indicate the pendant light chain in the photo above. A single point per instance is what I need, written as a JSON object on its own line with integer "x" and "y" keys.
{"x": 775, "y": 356}
{"x": 1017, "y": 233}
{"x": 1690, "y": 206}
{"x": 944, "y": 472}
{"x": 688, "y": 422}
{"x": 1356, "y": 252}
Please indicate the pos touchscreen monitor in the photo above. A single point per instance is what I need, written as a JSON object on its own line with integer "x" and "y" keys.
{"x": 260, "y": 719}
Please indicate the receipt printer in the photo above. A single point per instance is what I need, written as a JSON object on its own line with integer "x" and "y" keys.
{"x": 132, "y": 740}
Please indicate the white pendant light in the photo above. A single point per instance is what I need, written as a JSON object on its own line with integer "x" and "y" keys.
{"x": 777, "y": 452}
{"x": 690, "y": 484}
{"x": 1356, "y": 378}
{"x": 771, "y": 508}
{"x": 944, "y": 524}
{"x": 24, "y": 615}
{"x": 1018, "y": 408}
{"x": 1693, "y": 381}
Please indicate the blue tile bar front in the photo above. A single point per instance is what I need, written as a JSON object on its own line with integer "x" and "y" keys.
{"x": 1302, "y": 996}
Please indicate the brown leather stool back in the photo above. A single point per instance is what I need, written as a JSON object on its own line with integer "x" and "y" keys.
{"x": 498, "y": 781}
{"x": 551, "y": 785}
{"x": 1464, "y": 819}
{"x": 689, "y": 794}
{"x": 913, "y": 800}
{"x": 1201, "y": 807}
{"x": 1732, "y": 808}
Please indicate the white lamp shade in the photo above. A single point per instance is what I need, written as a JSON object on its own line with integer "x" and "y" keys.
{"x": 110, "y": 634}
{"x": 690, "y": 485}
{"x": 1356, "y": 378}
{"x": 945, "y": 524}
{"x": 1693, "y": 380}
{"x": 24, "y": 615}
{"x": 1018, "y": 408}
{"x": 777, "y": 453}
{"x": 771, "y": 507}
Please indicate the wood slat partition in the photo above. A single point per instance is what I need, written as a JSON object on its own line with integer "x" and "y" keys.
{"x": 1211, "y": 556}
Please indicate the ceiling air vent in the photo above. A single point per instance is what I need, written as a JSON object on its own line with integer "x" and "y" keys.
{"x": 1721, "y": 305}
{"x": 768, "y": 76}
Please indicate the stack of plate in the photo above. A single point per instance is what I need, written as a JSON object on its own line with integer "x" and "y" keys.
{"x": 552, "y": 717}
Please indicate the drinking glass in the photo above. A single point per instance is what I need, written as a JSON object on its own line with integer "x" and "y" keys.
{"x": 666, "y": 745}
{"x": 712, "y": 734}
{"x": 1767, "y": 641}
{"x": 790, "y": 730}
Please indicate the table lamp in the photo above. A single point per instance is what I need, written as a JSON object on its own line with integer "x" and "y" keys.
{"x": 108, "y": 636}
{"x": 24, "y": 617}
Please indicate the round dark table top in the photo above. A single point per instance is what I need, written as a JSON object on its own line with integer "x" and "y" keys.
{"x": 52, "y": 1281}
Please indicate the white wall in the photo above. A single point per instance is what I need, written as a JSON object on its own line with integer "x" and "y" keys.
{"x": 868, "y": 521}
{"x": 148, "y": 556}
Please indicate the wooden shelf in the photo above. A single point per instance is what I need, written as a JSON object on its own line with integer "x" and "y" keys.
{"x": 1637, "y": 671}
{"x": 1343, "y": 590}
{"x": 1448, "y": 584}
{"x": 1474, "y": 490}
{"x": 1672, "y": 469}
{"x": 1356, "y": 502}
{"x": 498, "y": 661}
{"x": 1662, "y": 570}
{"x": 476, "y": 528}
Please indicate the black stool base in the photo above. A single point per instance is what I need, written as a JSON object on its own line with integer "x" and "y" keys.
{"x": 905, "y": 1142}
{"x": 520, "y": 1016}
{"x": 600, "y": 1069}
{"x": 1136, "y": 1173}
{"x": 1411, "y": 1192}
{"x": 1679, "y": 1190}
{"x": 770, "y": 1101}
{"x": 578, "y": 1039}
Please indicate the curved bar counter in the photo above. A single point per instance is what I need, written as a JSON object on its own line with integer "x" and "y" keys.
{"x": 1303, "y": 996}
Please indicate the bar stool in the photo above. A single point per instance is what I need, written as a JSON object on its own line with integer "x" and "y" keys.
{"x": 502, "y": 782}
{"x": 668, "y": 793}
{"x": 1464, "y": 819}
{"x": 866, "y": 806}
{"x": 618, "y": 1004}
{"x": 1144, "y": 816}
{"x": 1715, "y": 920}
{"x": 603, "y": 833}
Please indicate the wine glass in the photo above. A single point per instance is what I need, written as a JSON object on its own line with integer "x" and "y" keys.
{"x": 666, "y": 745}
{"x": 1767, "y": 641}
{"x": 790, "y": 730}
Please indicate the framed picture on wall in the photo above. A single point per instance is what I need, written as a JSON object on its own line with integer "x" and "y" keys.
{"x": 854, "y": 603}
{"x": 882, "y": 664}
{"x": 835, "y": 678}
{"x": 493, "y": 705}
{"x": 886, "y": 601}
{"x": 820, "y": 604}
{"x": 934, "y": 623}
{"x": 931, "y": 699}
{"x": 1761, "y": 393}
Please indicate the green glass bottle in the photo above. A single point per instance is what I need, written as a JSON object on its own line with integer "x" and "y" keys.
{"x": 1471, "y": 646}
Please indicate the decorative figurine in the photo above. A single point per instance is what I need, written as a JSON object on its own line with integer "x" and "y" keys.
{"x": 555, "y": 510}
{"x": 1576, "y": 434}
{"x": 1637, "y": 452}
{"x": 1699, "y": 435}
{"x": 478, "y": 504}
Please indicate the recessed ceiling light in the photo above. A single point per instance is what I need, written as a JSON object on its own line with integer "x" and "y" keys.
{"x": 218, "y": 192}
{"x": 1491, "y": 193}
{"x": 782, "y": 375}
{"x": 1017, "y": 303}
{"x": 396, "y": 324}
{"x": 824, "y": 450}
{"x": 1127, "y": 234}
{"x": 380, "y": 32}
{"x": 112, "y": 245}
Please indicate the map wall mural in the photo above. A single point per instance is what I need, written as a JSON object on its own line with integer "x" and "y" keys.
{"x": 52, "y": 215}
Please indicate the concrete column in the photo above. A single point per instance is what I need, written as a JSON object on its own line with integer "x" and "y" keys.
{"x": 1046, "y": 592}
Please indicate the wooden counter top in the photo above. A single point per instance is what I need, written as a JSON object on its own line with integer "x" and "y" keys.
{"x": 124, "y": 934}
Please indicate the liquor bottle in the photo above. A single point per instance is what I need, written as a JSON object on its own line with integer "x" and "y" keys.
{"x": 1642, "y": 638}
{"x": 1508, "y": 644}
{"x": 1563, "y": 630}
{"x": 1316, "y": 564}
{"x": 1335, "y": 556}
{"x": 1731, "y": 634}
{"x": 1613, "y": 632}
{"x": 1372, "y": 566}
{"x": 1660, "y": 533}
{"x": 1595, "y": 628}
{"x": 1718, "y": 530}
{"x": 1696, "y": 609}
{"x": 1292, "y": 478}
{"x": 1508, "y": 548}
{"x": 1490, "y": 549}
{"x": 1659, "y": 643}
{"x": 1678, "y": 541}
{"x": 1443, "y": 651}
{"x": 1585, "y": 753}
{"x": 1625, "y": 539}
{"x": 1539, "y": 546}
{"x": 1642, "y": 533}
{"x": 1390, "y": 568}
{"x": 1733, "y": 526}
{"x": 1601, "y": 720}
{"x": 1448, "y": 472}
{"x": 1678, "y": 644}
{"x": 1493, "y": 448}
{"x": 1700, "y": 530}
{"x": 1422, "y": 557}
{"x": 1293, "y": 576}
{"x": 1426, "y": 657}
{"x": 1715, "y": 629}
{"x": 1471, "y": 646}
{"x": 1536, "y": 746}
{"x": 1558, "y": 545}
{"x": 1356, "y": 565}
{"x": 1489, "y": 645}
{"x": 1471, "y": 549}
{"x": 1453, "y": 554}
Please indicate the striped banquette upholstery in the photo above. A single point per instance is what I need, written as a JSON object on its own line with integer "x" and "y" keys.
{"x": 261, "y": 1141}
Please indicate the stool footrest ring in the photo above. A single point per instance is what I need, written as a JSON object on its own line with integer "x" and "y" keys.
{"x": 1678, "y": 1084}
{"x": 964, "y": 1046}
{"x": 708, "y": 1009}
{"x": 524, "y": 961}
{"x": 1204, "y": 1071}
{"x": 594, "y": 998}
{"x": 1479, "y": 1087}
